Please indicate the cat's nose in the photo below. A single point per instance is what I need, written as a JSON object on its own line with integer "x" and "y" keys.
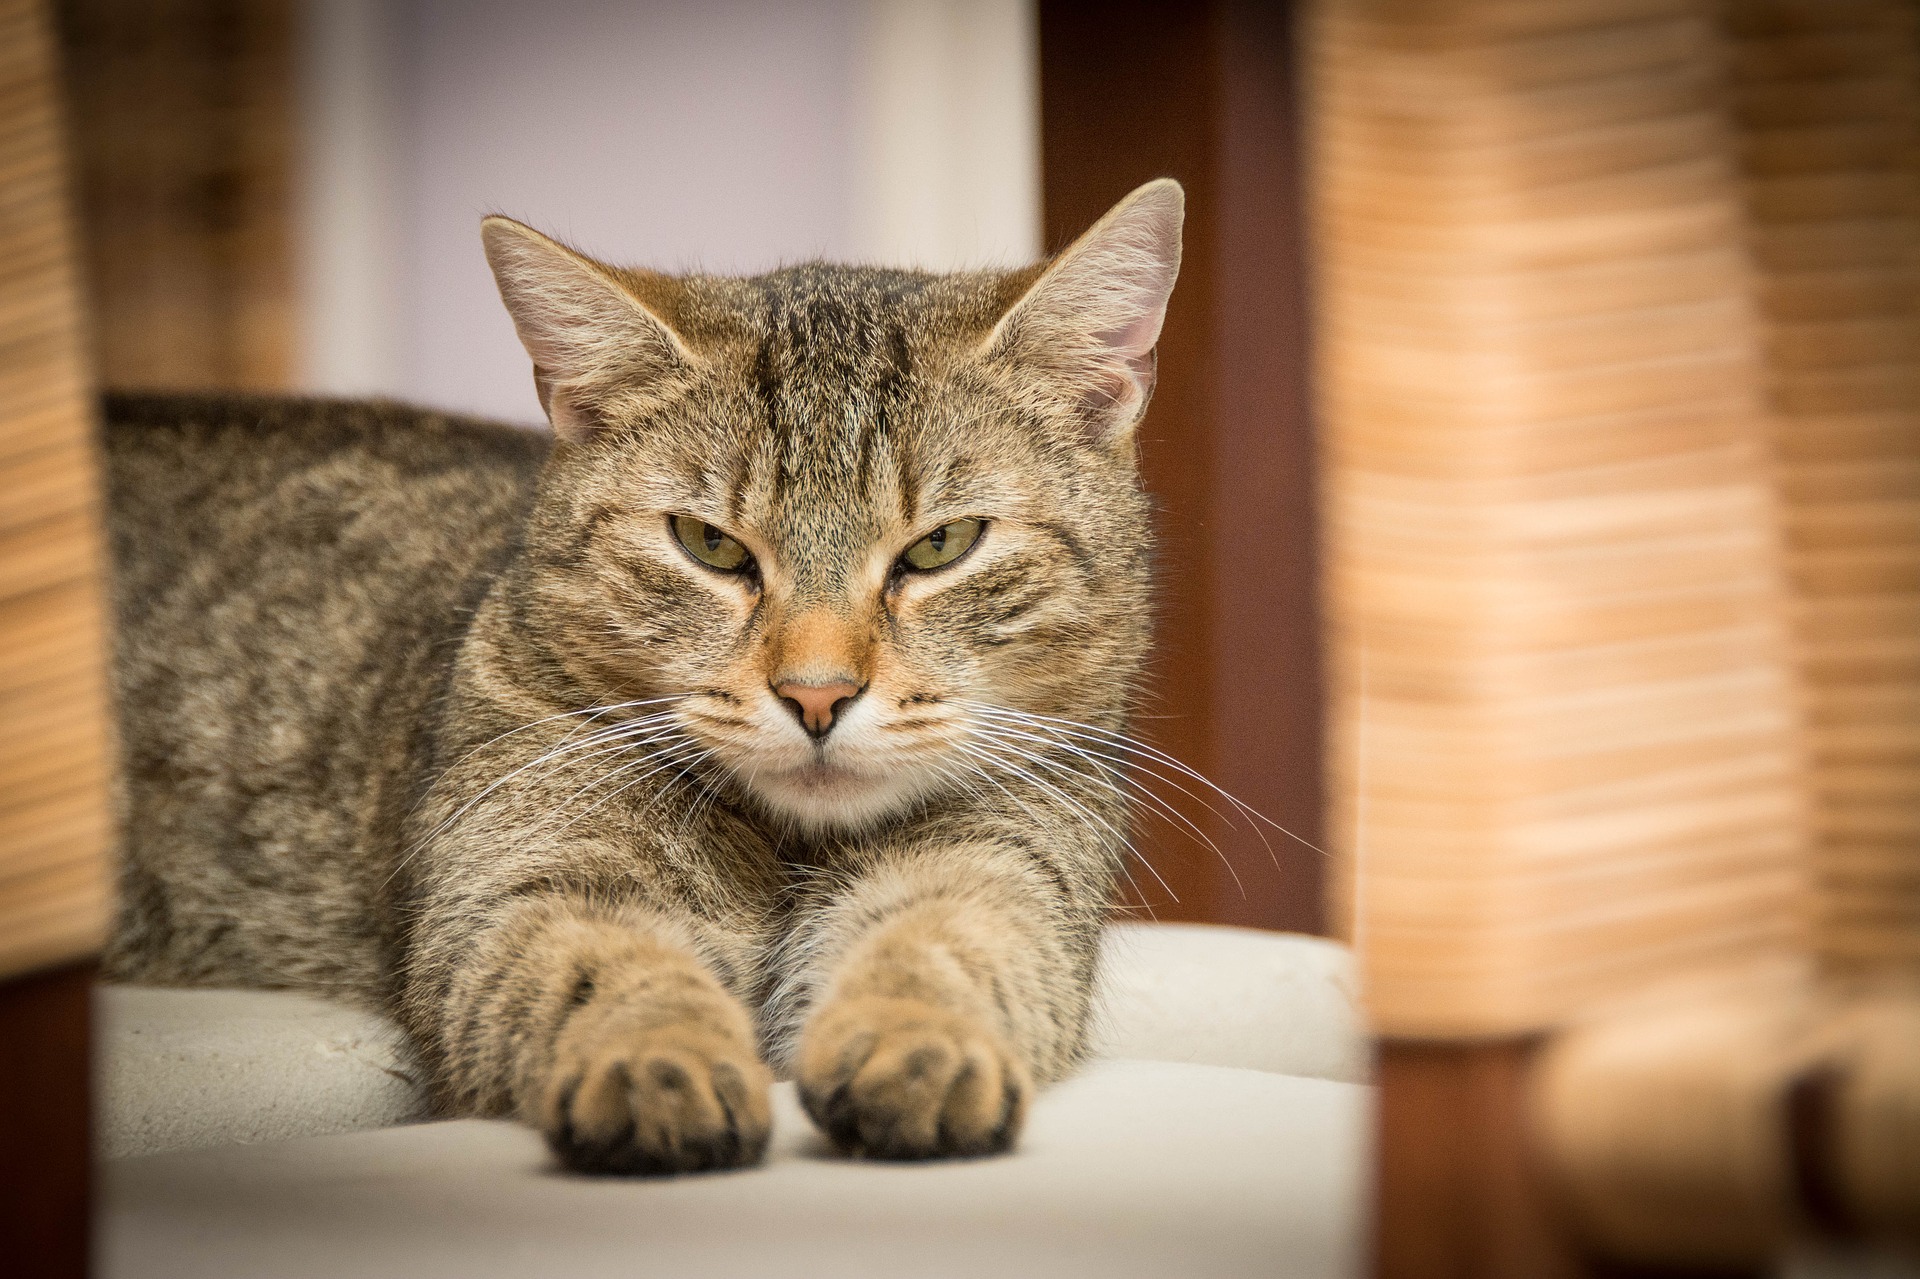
{"x": 817, "y": 705}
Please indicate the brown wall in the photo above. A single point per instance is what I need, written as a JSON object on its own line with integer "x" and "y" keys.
{"x": 1204, "y": 93}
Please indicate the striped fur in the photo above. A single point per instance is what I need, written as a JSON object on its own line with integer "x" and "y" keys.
{"x": 439, "y": 716}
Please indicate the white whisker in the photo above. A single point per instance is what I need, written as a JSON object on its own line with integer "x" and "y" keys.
{"x": 625, "y": 729}
{"x": 1145, "y": 800}
{"x": 1120, "y": 840}
{"x": 665, "y": 758}
{"x": 1133, "y": 746}
{"x": 666, "y": 734}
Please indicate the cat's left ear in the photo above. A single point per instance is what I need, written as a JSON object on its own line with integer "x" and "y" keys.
{"x": 1087, "y": 327}
{"x": 590, "y": 337}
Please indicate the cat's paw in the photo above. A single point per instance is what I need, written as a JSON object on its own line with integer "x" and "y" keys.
{"x": 902, "y": 1079}
{"x": 677, "y": 1098}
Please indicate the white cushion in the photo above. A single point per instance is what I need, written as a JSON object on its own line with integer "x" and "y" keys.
{"x": 187, "y": 1069}
{"x": 184, "y": 1069}
{"x": 1132, "y": 1168}
{"x": 1230, "y": 997}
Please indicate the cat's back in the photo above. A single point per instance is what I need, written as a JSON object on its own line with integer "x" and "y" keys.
{"x": 291, "y": 579}
{"x": 312, "y": 485}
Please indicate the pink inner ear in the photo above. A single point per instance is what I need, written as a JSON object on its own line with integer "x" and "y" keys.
{"x": 1134, "y": 341}
{"x": 1130, "y": 281}
{"x": 1128, "y": 374}
{"x": 1090, "y": 323}
{"x": 1124, "y": 384}
{"x": 570, "y": 421}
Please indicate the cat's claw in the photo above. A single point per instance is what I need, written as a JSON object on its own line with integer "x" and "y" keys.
{"x": 665, "y": 1101}
{"x": 902, "y": 1079}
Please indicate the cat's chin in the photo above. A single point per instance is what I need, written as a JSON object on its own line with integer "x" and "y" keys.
{"x": 828, "y": 797}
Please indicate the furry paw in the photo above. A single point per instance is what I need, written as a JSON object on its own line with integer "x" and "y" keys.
{"x": 674, "y": 1098}
{"x": 901, "y": 1079}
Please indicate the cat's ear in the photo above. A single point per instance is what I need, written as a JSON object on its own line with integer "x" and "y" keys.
{"x": 589, "y": 336}
{"x": 1087, "y": 326}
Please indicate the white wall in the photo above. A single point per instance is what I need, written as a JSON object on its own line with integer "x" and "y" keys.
{"x": 731, "y": 135}
{"x": 947, "y": 166}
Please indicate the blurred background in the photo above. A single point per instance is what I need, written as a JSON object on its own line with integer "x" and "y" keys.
{"x": 284, "y": 195}
{"x": 310, "y": 173}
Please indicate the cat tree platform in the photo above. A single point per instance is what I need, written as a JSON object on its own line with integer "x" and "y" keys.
{"x": 1220, "y": 1131}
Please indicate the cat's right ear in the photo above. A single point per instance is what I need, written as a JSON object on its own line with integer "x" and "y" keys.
{"x": 589, "y": 336}
{"x": 1085, "y": 329}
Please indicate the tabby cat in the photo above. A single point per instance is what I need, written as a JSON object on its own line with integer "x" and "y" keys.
{"x": 752, "y": 715}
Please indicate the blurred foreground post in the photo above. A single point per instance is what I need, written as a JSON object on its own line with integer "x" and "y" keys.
{"x": 1569, "y": 756}
{"x": 54, "y": 756}
{"x": 1619, "y": 364}
{"x": 1827, "y": 93}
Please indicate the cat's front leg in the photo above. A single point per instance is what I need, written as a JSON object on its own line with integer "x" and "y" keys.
{"x": 944, "y": 988}
{"x": 600, "y": 1026}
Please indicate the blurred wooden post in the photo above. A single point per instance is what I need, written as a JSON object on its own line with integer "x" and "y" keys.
{"x": 1828, "y": 97}
{"x": 1567, "y": 758}
{"x": 54, "y": 752}
{"x": 1205, "y": 93}
{"x": 1459, "y": 1189}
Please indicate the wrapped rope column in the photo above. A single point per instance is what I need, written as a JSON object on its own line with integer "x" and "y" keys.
{"x": 1568, "y": 758}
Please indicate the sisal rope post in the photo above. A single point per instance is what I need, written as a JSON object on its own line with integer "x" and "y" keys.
{"x": 55, "y": 823}
{"x": 1828, "y": 99}
{"x": 1621, "y": 374}
{"x": 1568, "y": 759}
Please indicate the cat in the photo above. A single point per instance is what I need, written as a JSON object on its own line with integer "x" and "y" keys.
{"x": 753, "y": 715}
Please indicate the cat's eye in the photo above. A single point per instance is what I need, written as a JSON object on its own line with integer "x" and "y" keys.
{"x": 944, "y": 545}
{"x": 710, "y": 545}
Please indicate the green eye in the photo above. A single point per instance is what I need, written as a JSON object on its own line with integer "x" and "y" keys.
{"x": 709, "y": 545}
{"x": 944, "y": 545}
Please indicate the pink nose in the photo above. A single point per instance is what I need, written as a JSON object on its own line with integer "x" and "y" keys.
{"x": 816, "y": 704}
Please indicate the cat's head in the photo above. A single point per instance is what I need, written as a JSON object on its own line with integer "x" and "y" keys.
{"x": 835, "y": 510}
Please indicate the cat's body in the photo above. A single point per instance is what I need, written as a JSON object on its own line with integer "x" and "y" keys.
{"x": 293, "y": 580}
{"x": 760, "y": 715}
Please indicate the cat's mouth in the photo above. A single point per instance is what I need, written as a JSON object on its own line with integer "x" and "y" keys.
{"x": 817, "y": 776}
{"x": 821, "y": 794}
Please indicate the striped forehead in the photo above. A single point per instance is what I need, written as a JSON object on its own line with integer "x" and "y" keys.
{"x": 830, "y": 483}
{"x": 830, "y": 465}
